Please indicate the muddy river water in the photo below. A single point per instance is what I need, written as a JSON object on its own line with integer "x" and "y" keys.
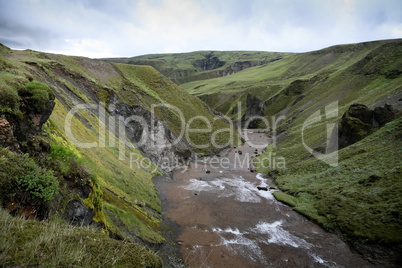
{"x": 226, "y": 221}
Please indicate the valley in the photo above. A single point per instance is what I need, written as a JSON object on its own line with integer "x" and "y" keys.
{"x": 166, "y": 152}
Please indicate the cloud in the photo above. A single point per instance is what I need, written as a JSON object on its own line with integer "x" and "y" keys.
{"x": 102, "y": 28}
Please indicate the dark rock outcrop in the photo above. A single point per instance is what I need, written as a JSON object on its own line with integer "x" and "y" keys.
{"x": 26, "y": 127}
{"x": 359, "y": 122}
{"x": 7, "y": 138}
{"x": 209, "y": 63}
{"x": 383, "y": 115}
{"x": 77, "y": 214}
{"x": 297, "y": 87}
{"x": 254, "y": 107}
{"x": 239, "y": 66}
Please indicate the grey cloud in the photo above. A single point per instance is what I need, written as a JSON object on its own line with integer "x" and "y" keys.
{"x": 283, "y": 25}
{"x": 23, "y": 36}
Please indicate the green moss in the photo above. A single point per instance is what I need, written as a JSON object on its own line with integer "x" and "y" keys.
{"x": 95, "y": 202}
{"x": 104, "y": 96}
{"x": 132, "y": 216}
{"x": 40, "y": 93}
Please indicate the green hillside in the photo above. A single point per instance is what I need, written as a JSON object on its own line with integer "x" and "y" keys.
{"x": 201, "y": 65}
{"x": 78, "y": 161}
{"x": 349, "y": 70}
{"x": 360, "y": 197}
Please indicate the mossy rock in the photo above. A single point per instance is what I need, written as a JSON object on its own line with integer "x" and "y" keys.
{"x": 40, "y": 93}
{"x": 352, "y": 130}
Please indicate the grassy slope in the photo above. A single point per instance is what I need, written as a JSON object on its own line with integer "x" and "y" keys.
{"x": 186, "y": 67}
{"x": 340, "y": 198}
{"x": 157, "y": 89}
{"x": 31, "y": 243}
{"x": 126, "y": 200}
{"x": 360, "y": 198}
{"x": 114, "y": 175}
{"x": 331, "y": 69}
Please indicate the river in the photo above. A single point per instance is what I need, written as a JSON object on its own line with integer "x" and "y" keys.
{"x": 226, "y": 221}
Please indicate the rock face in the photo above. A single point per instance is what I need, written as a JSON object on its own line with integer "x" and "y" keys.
{"x": 209, "y": 63}
{"x": 254, "y": 107}
{"x": 24, "y": 129}
{"x": 15, "y": 130}
{"x": 151, "y": 136}
{"x": 77, "y": 214}
{"x": 383, "y": 115}
{"x": 359, "y": 122}
{"x": 7, "y": 138}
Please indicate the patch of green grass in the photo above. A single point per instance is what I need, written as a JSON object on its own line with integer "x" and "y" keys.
{"x": 285, "y": 198}
{"x": 8, "y": 97}
{"x": 22, "y": 180}
{"x": 32, "y": 243}
{"x": 10, "y": 85}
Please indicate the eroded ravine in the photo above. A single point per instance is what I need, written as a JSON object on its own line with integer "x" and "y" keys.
{"x": 227, "y": 222}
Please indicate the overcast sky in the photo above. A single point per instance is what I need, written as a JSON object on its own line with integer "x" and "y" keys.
{"x": 103, "y": 28}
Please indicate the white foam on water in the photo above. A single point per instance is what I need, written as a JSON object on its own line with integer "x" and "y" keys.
{"x": 198, "y": 185}
{"x": 318, "y": 259}
{"x": 237, "y": 187}
{"x": 237, "y": 242}
{"x": 263, "y": 180}
{"x": 241, "y": 190}
{"x": 267, "y": 233}
{"x": 278, "y": 235}
{"x": 227, "y": 230}
{"x": 330, "y": 264}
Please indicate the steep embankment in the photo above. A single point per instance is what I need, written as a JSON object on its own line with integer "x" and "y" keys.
{"x": 93, "y": 160}
{"x": 301, "y": 96}
{"x": 202, "y": 65}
